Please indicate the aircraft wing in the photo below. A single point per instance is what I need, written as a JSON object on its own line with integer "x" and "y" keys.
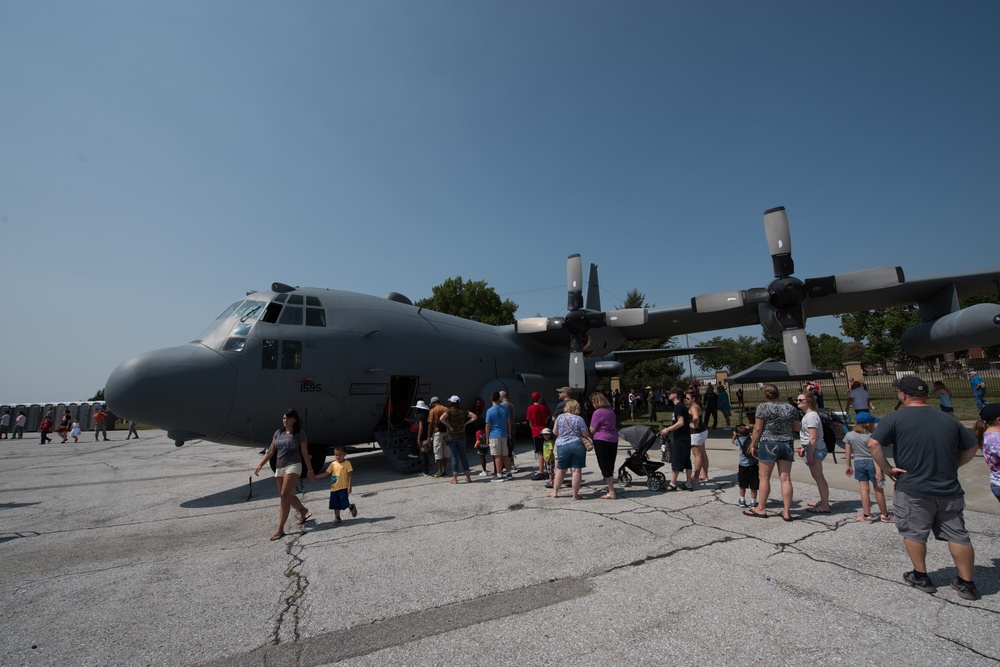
{"x": 672, "y": 321}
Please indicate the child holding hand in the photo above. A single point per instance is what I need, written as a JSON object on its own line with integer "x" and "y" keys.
{"x": 342, "y": 473}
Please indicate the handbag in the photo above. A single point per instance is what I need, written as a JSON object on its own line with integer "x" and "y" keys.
{"x": 588, "y": 442}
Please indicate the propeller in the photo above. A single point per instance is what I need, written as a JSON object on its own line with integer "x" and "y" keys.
{"x": 579, "y": 319}
{"x": 781, "y": 305}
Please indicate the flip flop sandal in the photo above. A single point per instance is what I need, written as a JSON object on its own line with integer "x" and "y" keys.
{"x": 277, "y": 536}
{"x": 304, "y": 517}
{"x": 756, "y": 515}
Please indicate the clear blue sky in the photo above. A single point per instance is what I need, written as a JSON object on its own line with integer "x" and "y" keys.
{"x": 158, "y": 159}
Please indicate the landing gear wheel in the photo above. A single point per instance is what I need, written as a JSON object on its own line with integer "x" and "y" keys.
{"x": 624, "y": 479}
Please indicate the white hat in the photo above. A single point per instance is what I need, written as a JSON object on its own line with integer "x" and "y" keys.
{"x": 503, "y": 393}
{"x": 453, "y": 399}
{"x": 421, "y": 406}
{"x": 435, "y": 399}
{"x": 546, "y": 431}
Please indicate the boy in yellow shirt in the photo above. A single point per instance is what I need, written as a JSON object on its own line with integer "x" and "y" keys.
{"x": 343, "y": 475}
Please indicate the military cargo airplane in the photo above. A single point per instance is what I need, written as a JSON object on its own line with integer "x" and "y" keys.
{"x": 353, "y": 364}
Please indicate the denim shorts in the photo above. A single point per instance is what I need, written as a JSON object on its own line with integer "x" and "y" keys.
{"x": 864, "y": 470}
{"x": 996, "y": 490}
{"x": 571, "y": 455}
{"x": 820, "y": 454}
{"x": 779, "y": 450}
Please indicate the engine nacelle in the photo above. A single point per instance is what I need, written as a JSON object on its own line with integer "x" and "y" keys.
{"x": 608, "y": 368}
{"x": 975, "y": 326}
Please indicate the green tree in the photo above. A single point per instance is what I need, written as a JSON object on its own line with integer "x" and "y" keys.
{"x": 665, "y": 371}
{"x": 827, "y": 351}
{"x": 470, "y": 299}
{"x": 880, "y": 331}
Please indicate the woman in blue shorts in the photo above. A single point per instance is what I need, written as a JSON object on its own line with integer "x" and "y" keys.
{"x": 774, "y": 428}
{"x": 571, "y": 454}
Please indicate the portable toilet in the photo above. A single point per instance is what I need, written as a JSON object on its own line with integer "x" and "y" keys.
{"x": 86, "y": 419}
{"x": 34, "y": 414}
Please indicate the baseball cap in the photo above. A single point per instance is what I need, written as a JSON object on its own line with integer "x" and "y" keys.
{"x": 535, "y": 395}
{"x": 435, "y": 399}
{"x": 866, "y": 418}
{"x": 453, "y": 399}
{"x": 563, "y": 390}
{"x": 503, "y": 394}
{"x": 990, "y": 412}
{"x": 911, "y": 385}
{"x": 546, "y": 431}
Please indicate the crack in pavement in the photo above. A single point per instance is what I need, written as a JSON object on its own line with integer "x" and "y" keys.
{"x": 288, "y": 620}
{"x": 287, "y": 644}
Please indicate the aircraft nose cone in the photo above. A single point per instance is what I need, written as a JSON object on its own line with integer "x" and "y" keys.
{"x": 187, "y": 389}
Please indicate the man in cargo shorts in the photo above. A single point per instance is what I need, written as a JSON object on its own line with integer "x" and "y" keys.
{"x": 930, "y": 445}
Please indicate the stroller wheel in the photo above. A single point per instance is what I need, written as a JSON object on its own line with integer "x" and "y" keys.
{"x": 653, "y": 483}
{"x": 624, "y": 478}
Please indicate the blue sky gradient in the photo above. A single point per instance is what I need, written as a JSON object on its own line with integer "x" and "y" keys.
{"x": 157, "y": 160}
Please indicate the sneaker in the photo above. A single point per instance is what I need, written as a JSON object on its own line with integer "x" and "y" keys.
{"x": 510, "y": 475}
{"x": 337, "y": 521}
{"x": 421, "y": 474}
{"x": 484, "y": 474}
{"x": 727, "y": 428}
{"x": 742, "y": 503}
{"x": 412, "y": 456}
{"x": 498, "y": 478}
{"x": 966, "y": 589}
{"x": 438, "y": 474}
{"x": 537, "y": 477}
{"x": 753, "y": 503}
{"x": 354, "y": 510}
{"x": 887, "y": 518}
{"x": 865, "y": 517}
{"x": 920, "y": 581}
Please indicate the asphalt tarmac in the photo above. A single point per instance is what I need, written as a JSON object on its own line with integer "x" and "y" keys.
{"x": 140, "y": 553}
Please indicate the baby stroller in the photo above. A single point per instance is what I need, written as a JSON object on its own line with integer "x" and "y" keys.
{"x": 641, "y": 438}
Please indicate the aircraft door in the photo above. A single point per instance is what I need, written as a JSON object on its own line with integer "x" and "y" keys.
{"x": 402, "y": 396}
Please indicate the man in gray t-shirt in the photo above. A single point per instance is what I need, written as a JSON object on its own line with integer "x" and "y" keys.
{"x": 929, "y": 446}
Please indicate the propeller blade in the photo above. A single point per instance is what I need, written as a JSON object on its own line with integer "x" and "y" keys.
{"x": 627, "y": 317}
{"x": 537, "y": 324}
{"x": 577, "y": 372}
{"x": 574, "y": 281}
{"x": 710, "y": 303}
{"x": 593, "y": 290}
{"x": 797, "y": 354}
{"x": 779, "y": 241}
{"x": 856, "y": 281}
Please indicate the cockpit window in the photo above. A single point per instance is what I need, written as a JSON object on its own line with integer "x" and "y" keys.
{"x": 250, "y": 310}
{"x": 315, "y": 317}
{"x": 295, "y": 300}
{"x": 291, "y": 315}
{"x": 313, "y": 301}
{"x": 229, "y": 311}
{"x": 241, "y": 329}
{"x": 234, "y": 344}
{"x": 271, "y": 313}
{"x": 281, "y": 298}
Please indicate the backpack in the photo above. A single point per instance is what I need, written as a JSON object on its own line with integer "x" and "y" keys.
{"x": 829, "y": 431}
